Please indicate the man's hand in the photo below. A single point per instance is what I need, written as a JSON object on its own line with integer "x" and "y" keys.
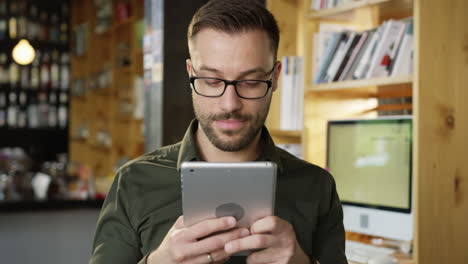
{"x": 276, "y": 239}
{"x": 192, "y": 244}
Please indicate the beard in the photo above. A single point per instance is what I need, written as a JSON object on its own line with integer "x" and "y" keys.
{"x": 237, "y": 139}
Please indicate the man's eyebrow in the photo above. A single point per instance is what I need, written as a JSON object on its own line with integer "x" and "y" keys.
{"x": 243, "y": 73}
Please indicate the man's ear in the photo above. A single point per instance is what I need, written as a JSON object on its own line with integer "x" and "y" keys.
{"x": 188, "y": 63}
{"x": 276, "y": 75}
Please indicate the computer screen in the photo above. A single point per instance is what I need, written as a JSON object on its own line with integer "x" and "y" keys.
{"x": 370, "y": 160}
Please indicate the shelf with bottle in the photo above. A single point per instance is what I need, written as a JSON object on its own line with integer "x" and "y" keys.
{"x": 40, "y": 22}
{"x": 29, "y": 182}
{"x": 111, "y": 111}
{"x": 33, "y": 111}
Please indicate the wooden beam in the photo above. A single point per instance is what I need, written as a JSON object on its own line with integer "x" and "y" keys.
{"x": 441, "y": 129}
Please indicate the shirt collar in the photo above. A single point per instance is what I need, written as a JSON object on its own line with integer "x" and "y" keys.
{"x": 188, "y": 149}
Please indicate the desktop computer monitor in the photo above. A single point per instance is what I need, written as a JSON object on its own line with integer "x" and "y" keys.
{"x": 370, "y": 160}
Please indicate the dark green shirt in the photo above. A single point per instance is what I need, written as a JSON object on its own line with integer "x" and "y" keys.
{"x": 145, "y": 200}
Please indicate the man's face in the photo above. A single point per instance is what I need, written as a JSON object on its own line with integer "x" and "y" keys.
{"x": 230, "y": 122}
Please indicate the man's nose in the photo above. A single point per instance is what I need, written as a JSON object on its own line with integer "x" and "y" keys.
{"x": 230, "y": 101}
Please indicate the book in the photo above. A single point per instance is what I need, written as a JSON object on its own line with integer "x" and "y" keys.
{"x": 403, "y": 62}
{"x": 353, "y": 56}
{"x": 386, "y": 49}
{"x": 328, "y": 56}
{"x": 359, "y": 55}
{"x": 292, "y": 93}
{"x": 353, "y": 43}
{"x": 364, "y": 63}
{"x": 338, "y": 58}
{"x": 286, "y": 94}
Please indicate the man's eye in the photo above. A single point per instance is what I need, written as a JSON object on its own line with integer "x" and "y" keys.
{"x": 251, "y": 83}
{"x": 213, "y": 82}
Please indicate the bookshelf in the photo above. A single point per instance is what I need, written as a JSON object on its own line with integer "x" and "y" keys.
{"x": 436, "y": 87}
{"x": 104, "y": 129}
{"x": 384, "y": 81}
{"x": 286, "y": 136}
{"x": 340, "y": 10}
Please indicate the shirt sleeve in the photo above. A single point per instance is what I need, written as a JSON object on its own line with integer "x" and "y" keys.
{"x": 329, "y": 241}
{"x": 115, "y": 240}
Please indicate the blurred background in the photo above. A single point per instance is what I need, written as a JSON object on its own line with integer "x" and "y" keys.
{"x": 77, "y": 101}
{"x": 88, "y": 85}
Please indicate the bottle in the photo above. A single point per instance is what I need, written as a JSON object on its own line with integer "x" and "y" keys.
{"x": 33, "y": 113}
{"x": 45, "y": 71}
{"x": 4, "y": 70}
{"x": 54, "y": 70}
{"x": 54, "y": 31}
{"x": 13, "y": 22}
{"x": 64, "y": 16}
{"x": 12, "y": 112}
{"x": 65, "y": 71}
{"x": 22, "y": 110}
{"x": 44, "y": 26}
{"x": 63, "y": 110}
{"x": 43, "y": 109}
{"x": 33, "y": 23}
{"x": 3, "y": 110}
{"x": 3, "y": 20}
{"x": 22, "y": 20}
{"x": 14, "y": 73}
{"x": 25, "y": 77}
{"x": 35, "y": 71}
{"x": 52, "y": 122}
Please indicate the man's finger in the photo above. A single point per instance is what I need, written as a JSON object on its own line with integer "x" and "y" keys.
{"x": 258, "y": 241}
{"x": 210, "y": 226}
{"x": 269, "y": 224}
{"x": 179, "y": 223}
{"x": 268, "y": 255}
{"x": 217, "y": 257}
{"x": 216, "y": 242}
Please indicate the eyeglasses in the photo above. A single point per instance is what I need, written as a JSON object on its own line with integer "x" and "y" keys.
{"x": 246, "y": 89}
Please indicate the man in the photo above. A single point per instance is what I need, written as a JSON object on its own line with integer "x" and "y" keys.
{"x": 233, "y": 73}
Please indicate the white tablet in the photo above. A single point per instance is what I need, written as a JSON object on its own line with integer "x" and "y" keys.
{"x": 245, "y": 190}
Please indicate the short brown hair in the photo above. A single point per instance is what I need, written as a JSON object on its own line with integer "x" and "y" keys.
{"x": 235, "y": 16}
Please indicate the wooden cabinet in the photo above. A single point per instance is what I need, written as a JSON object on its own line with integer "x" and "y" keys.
{"x": 438, "y": 88}
{"x": 107, "y": 75}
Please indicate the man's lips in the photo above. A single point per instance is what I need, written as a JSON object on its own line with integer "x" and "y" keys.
{"x": 230, "y": 124}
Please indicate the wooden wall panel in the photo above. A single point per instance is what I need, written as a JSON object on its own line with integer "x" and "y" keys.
{"x": 441, "y": 130}
{"x": 287, "y": 13}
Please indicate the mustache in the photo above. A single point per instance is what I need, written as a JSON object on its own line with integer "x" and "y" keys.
{"x": 230, "y": 115}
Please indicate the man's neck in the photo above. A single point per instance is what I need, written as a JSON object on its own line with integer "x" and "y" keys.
{"x": 211, "y": 153}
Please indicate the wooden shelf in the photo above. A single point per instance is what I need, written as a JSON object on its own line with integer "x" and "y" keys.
{"x": 361, "y": 83}
{"x": 101, "y": 147}
{"x": 394, "y": 107}
{"x": 285, "y": 133}
{"x": 329, "y": 12}
{"x": 123, "y": 23}
{"x": 79, "y": 140}
{"x": 286, "y": 136}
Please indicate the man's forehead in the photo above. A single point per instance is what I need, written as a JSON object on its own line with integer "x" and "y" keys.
{"x": 216, "y": 42}
{"x": 241, "y": 70}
